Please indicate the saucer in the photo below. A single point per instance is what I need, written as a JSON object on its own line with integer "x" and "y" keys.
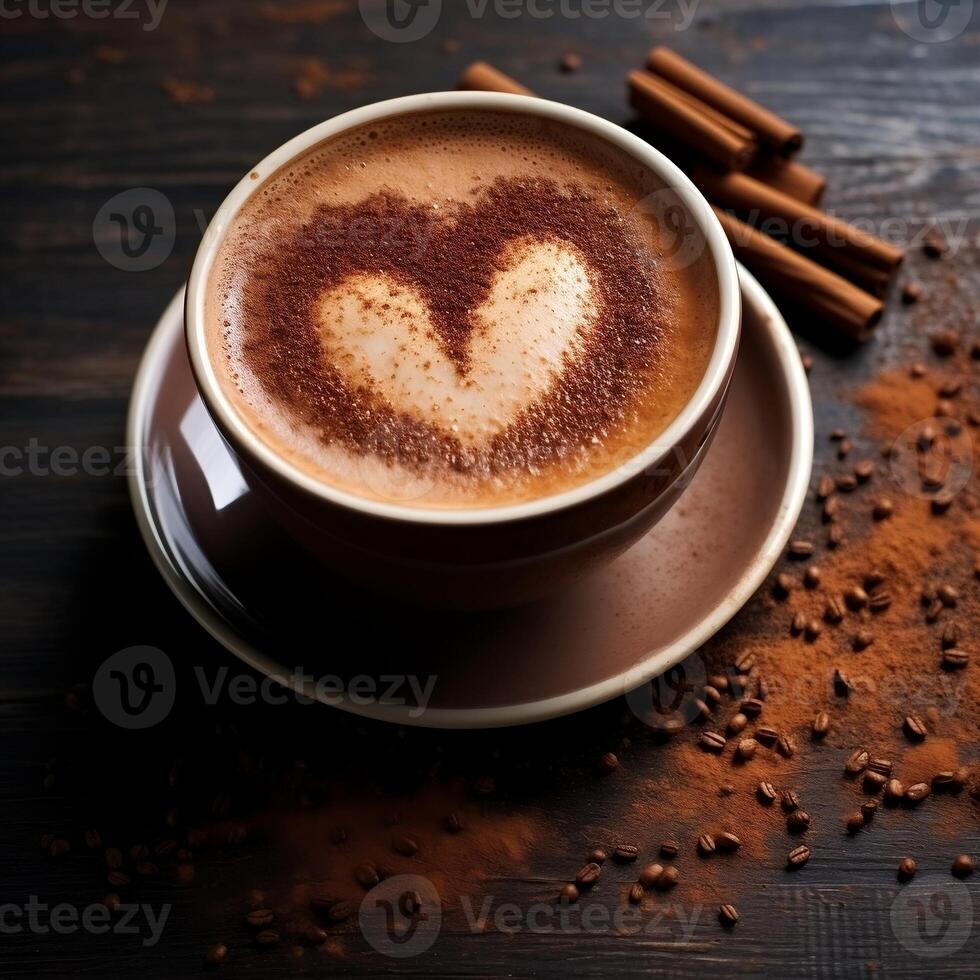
{"x": 265, "y": 600}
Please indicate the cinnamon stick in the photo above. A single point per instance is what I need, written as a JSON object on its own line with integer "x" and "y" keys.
{"x": 829, "y": 239}
{"x": 689, "y": 121}
{"x": 783, "y": 137}
{"x": 791, "y": 177}
{"x": 844, "y": 306}
{"x": 481, "y": 77}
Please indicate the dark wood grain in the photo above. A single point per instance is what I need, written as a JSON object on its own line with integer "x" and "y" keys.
{"x": 894, "y": 124}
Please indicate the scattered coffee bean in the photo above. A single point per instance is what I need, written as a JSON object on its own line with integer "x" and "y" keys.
{"x": 955, "y": 659}
{"x": 315, "y": 935}
{"x": 267, "y": 937}
{"x": 117, "y": 879}
{"x": 882, "y": 509}
{"x": 837, "y": 434}
{"x": 789, "y": 800}
{"x": 963, "y": 866}
{"x": 843, "y": 448}
{"x": 785, "y": 746}
{"x": 961, "y": 777}
{"x": 948, "y": 596}
{"x": 706, "y": 845}
{"x": 864, "y": 470}
{"x": 258, "y": 918}
{"x": 712, "y": 695}
{"x": 945, "y": 342}
{"x": 719, "y": 681}
{"x": 834, "y": 611}
{"x": 635, "y": 894}
{"x": 884, "y": 766}
{"x": 807, "y": 361}
{"x": 669, "y": 849}
{"x": 831, "y": 509}
{"x": 570, "y": 62}
{"x": 894, "y": 791}
{"x": 608, "y": 763}
{"x": 825, "y": 487}
{"x": 846, "y": 482}
{"x": 868, "y": 809}
{"x": 113, "y": 858}
{"x": 711, "y": 741}
{"x": 934, "y": 245}
{"x": 598, "y": 855}
{"x": 874, "y": 782}
{"x": 854, "y": 821}
{"x": 727, "y": 842}
{"x": 624, "y": 853}
{"x": 842, "y": 684}
{"x": 767, "y": 736}
{"x": 862, "y": 640}
{"x": 797, "y": 821}
{"x": 798, "y": 624}
{"x": 811, "y": 577}
{"x": 813, "y": 630}
{"x": 835, "y": 536}
{"x": 915, "y": 728}
{"x": 917, "y": 792}
{"x": 911, "y": 293}
{"x": 879, "y": 600}
{"x": 856, "y": 598}
{"x": 951, "y": 636}
{"x": 746, "y": 749}
{"x": 406, "y": 846}
{"x": 752, "y": 707}
{"x": 821, "y": 725}
{"x": 366, "y": 875}
{"x": 798, "y": 856}
{"x": 942, "y": 782}
{"x": 907, "y": 869}
{"x": 650, "y": 875}
{"x": 737, "y": 723}
{"x": 766, "y": 792}
{"x": 728, "y": 915}
{"x": 588, "y": 875}
{"x": 216, "y": 954}
{"x": 669, "y": 878}
{"x": 454, "y": 823}
{"x": 857, "y": 762}
{"x": 569, "y": 893}
{"x": 111, "y": 901}
{"x": 800, "y": 548}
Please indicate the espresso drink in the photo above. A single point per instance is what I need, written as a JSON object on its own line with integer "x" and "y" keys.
{"x": 460, "y": 309}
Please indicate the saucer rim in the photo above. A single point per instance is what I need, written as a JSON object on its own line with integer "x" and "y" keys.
{"x": 500, "y": 716}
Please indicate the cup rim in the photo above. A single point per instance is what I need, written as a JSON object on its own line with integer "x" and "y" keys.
{"x": 712, "y": 382}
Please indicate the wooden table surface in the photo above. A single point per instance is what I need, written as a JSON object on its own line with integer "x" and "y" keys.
{"x": 893, "y": 121}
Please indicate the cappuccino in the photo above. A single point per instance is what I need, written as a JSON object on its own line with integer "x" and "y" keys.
{"x": 461, "y": 309}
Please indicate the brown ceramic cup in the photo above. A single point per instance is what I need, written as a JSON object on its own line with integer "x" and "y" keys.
{"x": 494, "y": 556}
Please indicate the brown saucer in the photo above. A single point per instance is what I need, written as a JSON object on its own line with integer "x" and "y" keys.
{"x": 267, "y": 602}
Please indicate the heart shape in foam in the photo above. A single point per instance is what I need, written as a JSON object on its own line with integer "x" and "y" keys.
{"x": 378, "y": 333}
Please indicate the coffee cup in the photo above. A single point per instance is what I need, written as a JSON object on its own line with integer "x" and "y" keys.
{"x": 502, "y": 554}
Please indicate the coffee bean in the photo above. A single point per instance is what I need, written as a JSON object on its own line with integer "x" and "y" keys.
{"x": 366, "y": 875}
{"x": 117, "y": 879}
{"x": 807, "y": 361}
{"x": 785, "y": 746}
{"x": 113, "y": 858}
{"x": 811, "y": 577}
{"x": 147, "y": 869}
{"x": 761, "y": 688}
{"x": 894, "y": 791}
{"x": 165, "y": 847}
{"x": 322, "y": 897}
{"x": 856, "y": 598}
{"x": 917, "y": 792}
{"x": 821, "y": 725}
{"x": 93, "y": 840}
{"x": 942, "y": 781}
{"x": 184, "y": 874}
{"x": 138, "y": 852}
{"x": 789, "y": 800}
{"x": 588, "y": 875}
{"x": 846, "y": 482}
{"x": 485, "y": 785}
{"x": 712, "y": 695}
{"x": 635, "y": 893}
{"x": 767, "y": 736}
{"x": 864, "y": 470}
{"x": 882, "y": 509}
{"x": 835, "y": 536}
{"x": 954, "y": 659}
{"x": 911, "y": 293}
{"x": 728, "y": 915}
{"x": 766, "y": 792}
{"x": 406, "y": 846}
{"x": 831, "y": 508}
{"x": 948, "y": 596}
{"x": 783, "y": 585}
{"x": 951, "y": 636}
{"x": 702, "y": 712}
{"x": 941, "y": 503}
{"x": 650, "y": 875}
{"x": 798, "y": 856}
{"x": 874, "y": 782}
{"x": 752, "y": 707}
{"x": 884, "y": 766}
{"x": 569, "y": 893}
{"x": 862, "y": 640}
{"x": 857, "y": 762}
{"x": 854, "y": 822}
{"x": 825, "y": 487}
{"x": 598, "y": 855}
{"x": 706, "y": 844}
{"x": 624, "y": 853}
{"x": 837, "y": 434}
{"x": 258, "y": 918}
{"x": 216, "y": 954}
{"x": 59, "y": 847}
{"x": 843, "y": 448}
{"x": 834, "y": 611}
{"x": 727, "y": 842}
{"x": 608, "y": 763}
{"x": 315, "y": 935}
{"x": 746, "y": 749}
{"x": 907, "y": 869}
{"x": 669, "y": 849}
{"x": 719, "y": 681}
{"x": 668, "y": 879}
{"x": 798, "y": 624}
{"x": 868, "y": 809}
{"x": 800, "y": 549}
{"x": 915, "y": 728}
{"x": 963, "y": 866}
{"x": 736, "y": 723}
{"x": 934, "y": 611}
{"x": 340, "y": 911}
{"x": 711, "y": 741}
{"x": 945, "y": 342}
{"x": 267, "y": 937}
{"x": 745, "y": 661}
{"x": 454, "y": 823}
{"x": 798, "y": 821}
{"x": 961, "y": 777}
{"x": 842, "y": 684}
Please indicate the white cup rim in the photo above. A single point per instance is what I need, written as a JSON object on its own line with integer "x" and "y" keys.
{"x": 648, "y": 459}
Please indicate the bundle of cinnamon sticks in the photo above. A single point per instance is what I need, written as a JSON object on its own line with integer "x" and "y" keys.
{"x": 743, "y": 159}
